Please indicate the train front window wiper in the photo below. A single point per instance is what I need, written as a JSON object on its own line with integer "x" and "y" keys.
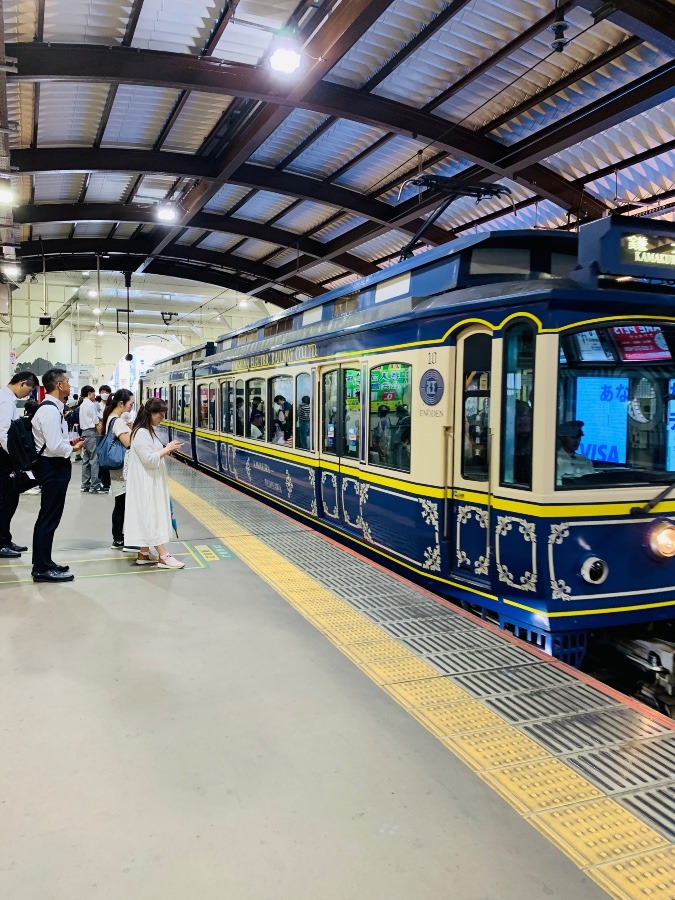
{"x": 647, "y": 507}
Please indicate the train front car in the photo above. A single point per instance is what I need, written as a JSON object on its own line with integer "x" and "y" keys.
{"x": 581, "y": 497}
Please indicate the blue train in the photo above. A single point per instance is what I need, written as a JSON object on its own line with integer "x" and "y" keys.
{"x": 494, "y": 418}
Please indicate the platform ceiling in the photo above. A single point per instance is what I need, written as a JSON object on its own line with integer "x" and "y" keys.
{"x": 289, "y": 186}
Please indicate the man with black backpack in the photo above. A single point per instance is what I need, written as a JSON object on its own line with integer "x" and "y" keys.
{"x": 18, "y": 388}
{"x": 53, "y": 469}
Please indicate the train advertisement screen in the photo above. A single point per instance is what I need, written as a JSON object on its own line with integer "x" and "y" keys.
{"x": 641, "y": 343}
{"x": 602, "y": 405}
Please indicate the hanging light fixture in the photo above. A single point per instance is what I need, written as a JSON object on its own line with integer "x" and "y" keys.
{"x": 559, "y": 27}
{"x": 127, "y": 283}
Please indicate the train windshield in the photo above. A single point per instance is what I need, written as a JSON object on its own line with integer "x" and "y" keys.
{"x": 616, "y": 406}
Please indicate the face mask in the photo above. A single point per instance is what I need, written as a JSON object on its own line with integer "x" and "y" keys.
{"x": 104, "y": 397}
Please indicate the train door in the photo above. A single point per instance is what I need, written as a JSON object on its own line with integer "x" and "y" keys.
{"x": 469, "y": 522}
{"x": 340, "y": 429}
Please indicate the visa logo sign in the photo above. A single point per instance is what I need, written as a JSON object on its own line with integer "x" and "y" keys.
{"x": 601, "y": 452}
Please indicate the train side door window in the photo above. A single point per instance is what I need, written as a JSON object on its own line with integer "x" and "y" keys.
{"x": 202, "y": 406}
{"x": 173, "y": 408}
{"x": 351, "y": 424}
{"x": 389, "y": 416}
{"x": 256, "y": 426}
{"x": 281, "y": 404}
{"x": 303, "y": 415}
{"x": 240, "y": 407}
{"x": 227, "y": 406}
{"x": 186, "y": 405}
{"x": 212, "y": 406}
{"x": 517, "y": 419}
{"x": 329, "y": 406}
{"x": 476, "y": 407}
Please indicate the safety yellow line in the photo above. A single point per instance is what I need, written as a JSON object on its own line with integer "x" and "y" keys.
{"x": 614, "y": 847}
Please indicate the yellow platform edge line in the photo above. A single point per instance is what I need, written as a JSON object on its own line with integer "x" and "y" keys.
{"x": 516, "y": 780}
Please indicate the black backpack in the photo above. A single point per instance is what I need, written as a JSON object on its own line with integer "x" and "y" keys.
{"x": 21, "y": 447}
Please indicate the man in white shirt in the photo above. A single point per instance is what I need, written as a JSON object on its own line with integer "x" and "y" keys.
{"x": 89, "y": 419}
{"x": 53, "y": 472}
{"x": 18, "y": 388}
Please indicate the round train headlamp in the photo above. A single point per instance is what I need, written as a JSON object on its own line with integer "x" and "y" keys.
{"x": 594, "y": 570}
{"x": 662, "y": 540}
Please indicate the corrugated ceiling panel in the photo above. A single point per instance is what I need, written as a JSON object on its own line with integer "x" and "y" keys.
{"x": 226, "y": 197}
{"x": 609, "y": 78}
{"x": 191, "y": 236}
{"x": 154, "y": 188}
{"x": 449, "y": 167}
{"x": 20, "y": 20}
{"x": 85, "y": 21}
{"x": 335, "y": 283}
{"x": 335, "y": 147}
{"x": 262, "y": 206}
{"x": 22, "y": 186}
{"x": 323, "y": 271}
{"x": 384, "y": 245}
{"x": 219, "y": 241}
{"x": 395, "y": 28}
{"x": 51, "y": 230}
{"x": 108, "y": 187}
{"x": 246, "y": 43}
{"x": 646, "y": 179}
{"x": 465, "y": 210}
{"x": 393, "y": 159}
{"x": 181, "y": 26}
{"x": 137, "y": 116}
{"x": 339, "y": 227}
{"x": 58, "y": 187}
{"x": 293, "y": 130}
{"x": 283, "y": 258}
{"x": 125, "y": 230}
{"x": 255, "y": 249}
{"x": 70, "y": 114}
{"x": 543, "y": 215}
{"x": 20, "y": 99}
{"x": 195, "y": 122}
{"x": 305, "y": 217}
{"x": 644, "y": 132}
{"x": 92, "y": 229}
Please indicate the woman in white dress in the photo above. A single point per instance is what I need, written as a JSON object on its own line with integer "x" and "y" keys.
{"x": 147, "y": 519}
{"x": 117, "y": 415}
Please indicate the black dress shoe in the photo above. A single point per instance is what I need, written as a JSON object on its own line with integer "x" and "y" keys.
{"x": 58, "y": 568}
{"x": 8, "y": 553}
{"x": 17, "y": 547}
{"x": 52, "y": 575}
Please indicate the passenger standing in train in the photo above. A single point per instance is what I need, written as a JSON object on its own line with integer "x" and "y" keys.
{"x": 52, "y": 470}
{"x": 382, "y": 434}
{"x": 88, "y": 421}
{"x": 116, "y": 416}
{"x": 304, "y": 420}
{"x": 19, "y": 388}
{"x": 147, "y": 520}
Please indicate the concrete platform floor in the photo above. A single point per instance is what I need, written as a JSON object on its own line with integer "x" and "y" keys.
{"x": 188, "y": 735}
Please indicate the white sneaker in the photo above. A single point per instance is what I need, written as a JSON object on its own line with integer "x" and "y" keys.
{"x": 149, "y": 560}
{"x": 170, "y": 562}
{"x": 33, "y": 490}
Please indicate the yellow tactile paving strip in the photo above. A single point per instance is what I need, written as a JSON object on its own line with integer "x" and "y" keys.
{"x": 626, "y": 857}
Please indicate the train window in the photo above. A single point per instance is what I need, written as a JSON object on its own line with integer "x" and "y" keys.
{"x": 281, "y": 404}
{"x": 389, "y": 415}
{"x": 212, "y": 406}
{"x": 517, "y": 406}
{"x": 616, "y": 407}
{"x": 186, "y": 406}
{"x": 255, "y": 409}
{"x": 240, "y": 407}
{"x": 329, "y": 399}
{"x": 476, "y": 407}
{"x": 303, "y": 406}
{"x": 227, "y": 406}
{"x": 162, "y": 394}
{"x": 173, "y": 406}
{"x": 351, "y": 425}
{"x": 203, "y": 406}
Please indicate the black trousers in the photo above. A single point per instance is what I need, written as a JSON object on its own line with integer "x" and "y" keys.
{"x": 118, "y": 518}
{"x": 104, "y": 477}
{"x": 9, "y": 499}
{"x": 54, "y": 476}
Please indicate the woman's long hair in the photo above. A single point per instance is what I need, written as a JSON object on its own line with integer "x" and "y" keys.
{"x": 144, "y": 417}
{"x": 121, "y": 396}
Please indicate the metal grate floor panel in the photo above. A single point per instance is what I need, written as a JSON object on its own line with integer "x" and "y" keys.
{"x": 635, "y": 765}
{"x": 480, "y": 659}
{"x": 572, "y": 734}
{"x": 656, "y": 807}
{"x": 511, "y": 680}
{"x": 521, "y": 708}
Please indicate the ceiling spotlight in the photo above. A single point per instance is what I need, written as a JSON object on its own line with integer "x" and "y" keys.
{"x": 286, "y": 56}
{"x": 92, "y": 294}
{"x": 243, "y": 303}
{"x": 11, "y": 271}
{"x": 6, "y": 193}
{"x": 96, "y": 311}
{"x": 86, "y": 274}
{"x": 559, "y": 27}
{"x": 166, "y": 212}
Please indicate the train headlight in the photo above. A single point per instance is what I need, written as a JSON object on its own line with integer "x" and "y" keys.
{"x": 594, "y": 570}
{"x": 662, "y": 540}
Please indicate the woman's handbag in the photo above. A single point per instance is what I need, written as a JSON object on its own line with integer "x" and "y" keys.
{"x": 111, "y": 451}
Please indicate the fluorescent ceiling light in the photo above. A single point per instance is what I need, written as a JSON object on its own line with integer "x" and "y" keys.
{"x": 286, "y": 59}
{"x": 11, "y": 271}
{"x": 166, "y": 212}
{"x": 6, "y": 193}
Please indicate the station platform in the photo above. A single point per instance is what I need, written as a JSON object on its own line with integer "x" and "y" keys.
{"x": 284, "y": 720}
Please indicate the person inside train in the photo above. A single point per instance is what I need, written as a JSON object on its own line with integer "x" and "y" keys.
{"x": 304, "y": 418}
{"x": 381, "y": 437}
{"x": 571, "y": 464}
{"x": 257, "y": 425}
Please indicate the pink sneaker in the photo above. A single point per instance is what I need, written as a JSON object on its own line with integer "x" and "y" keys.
{"x": 170, "y": 562}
